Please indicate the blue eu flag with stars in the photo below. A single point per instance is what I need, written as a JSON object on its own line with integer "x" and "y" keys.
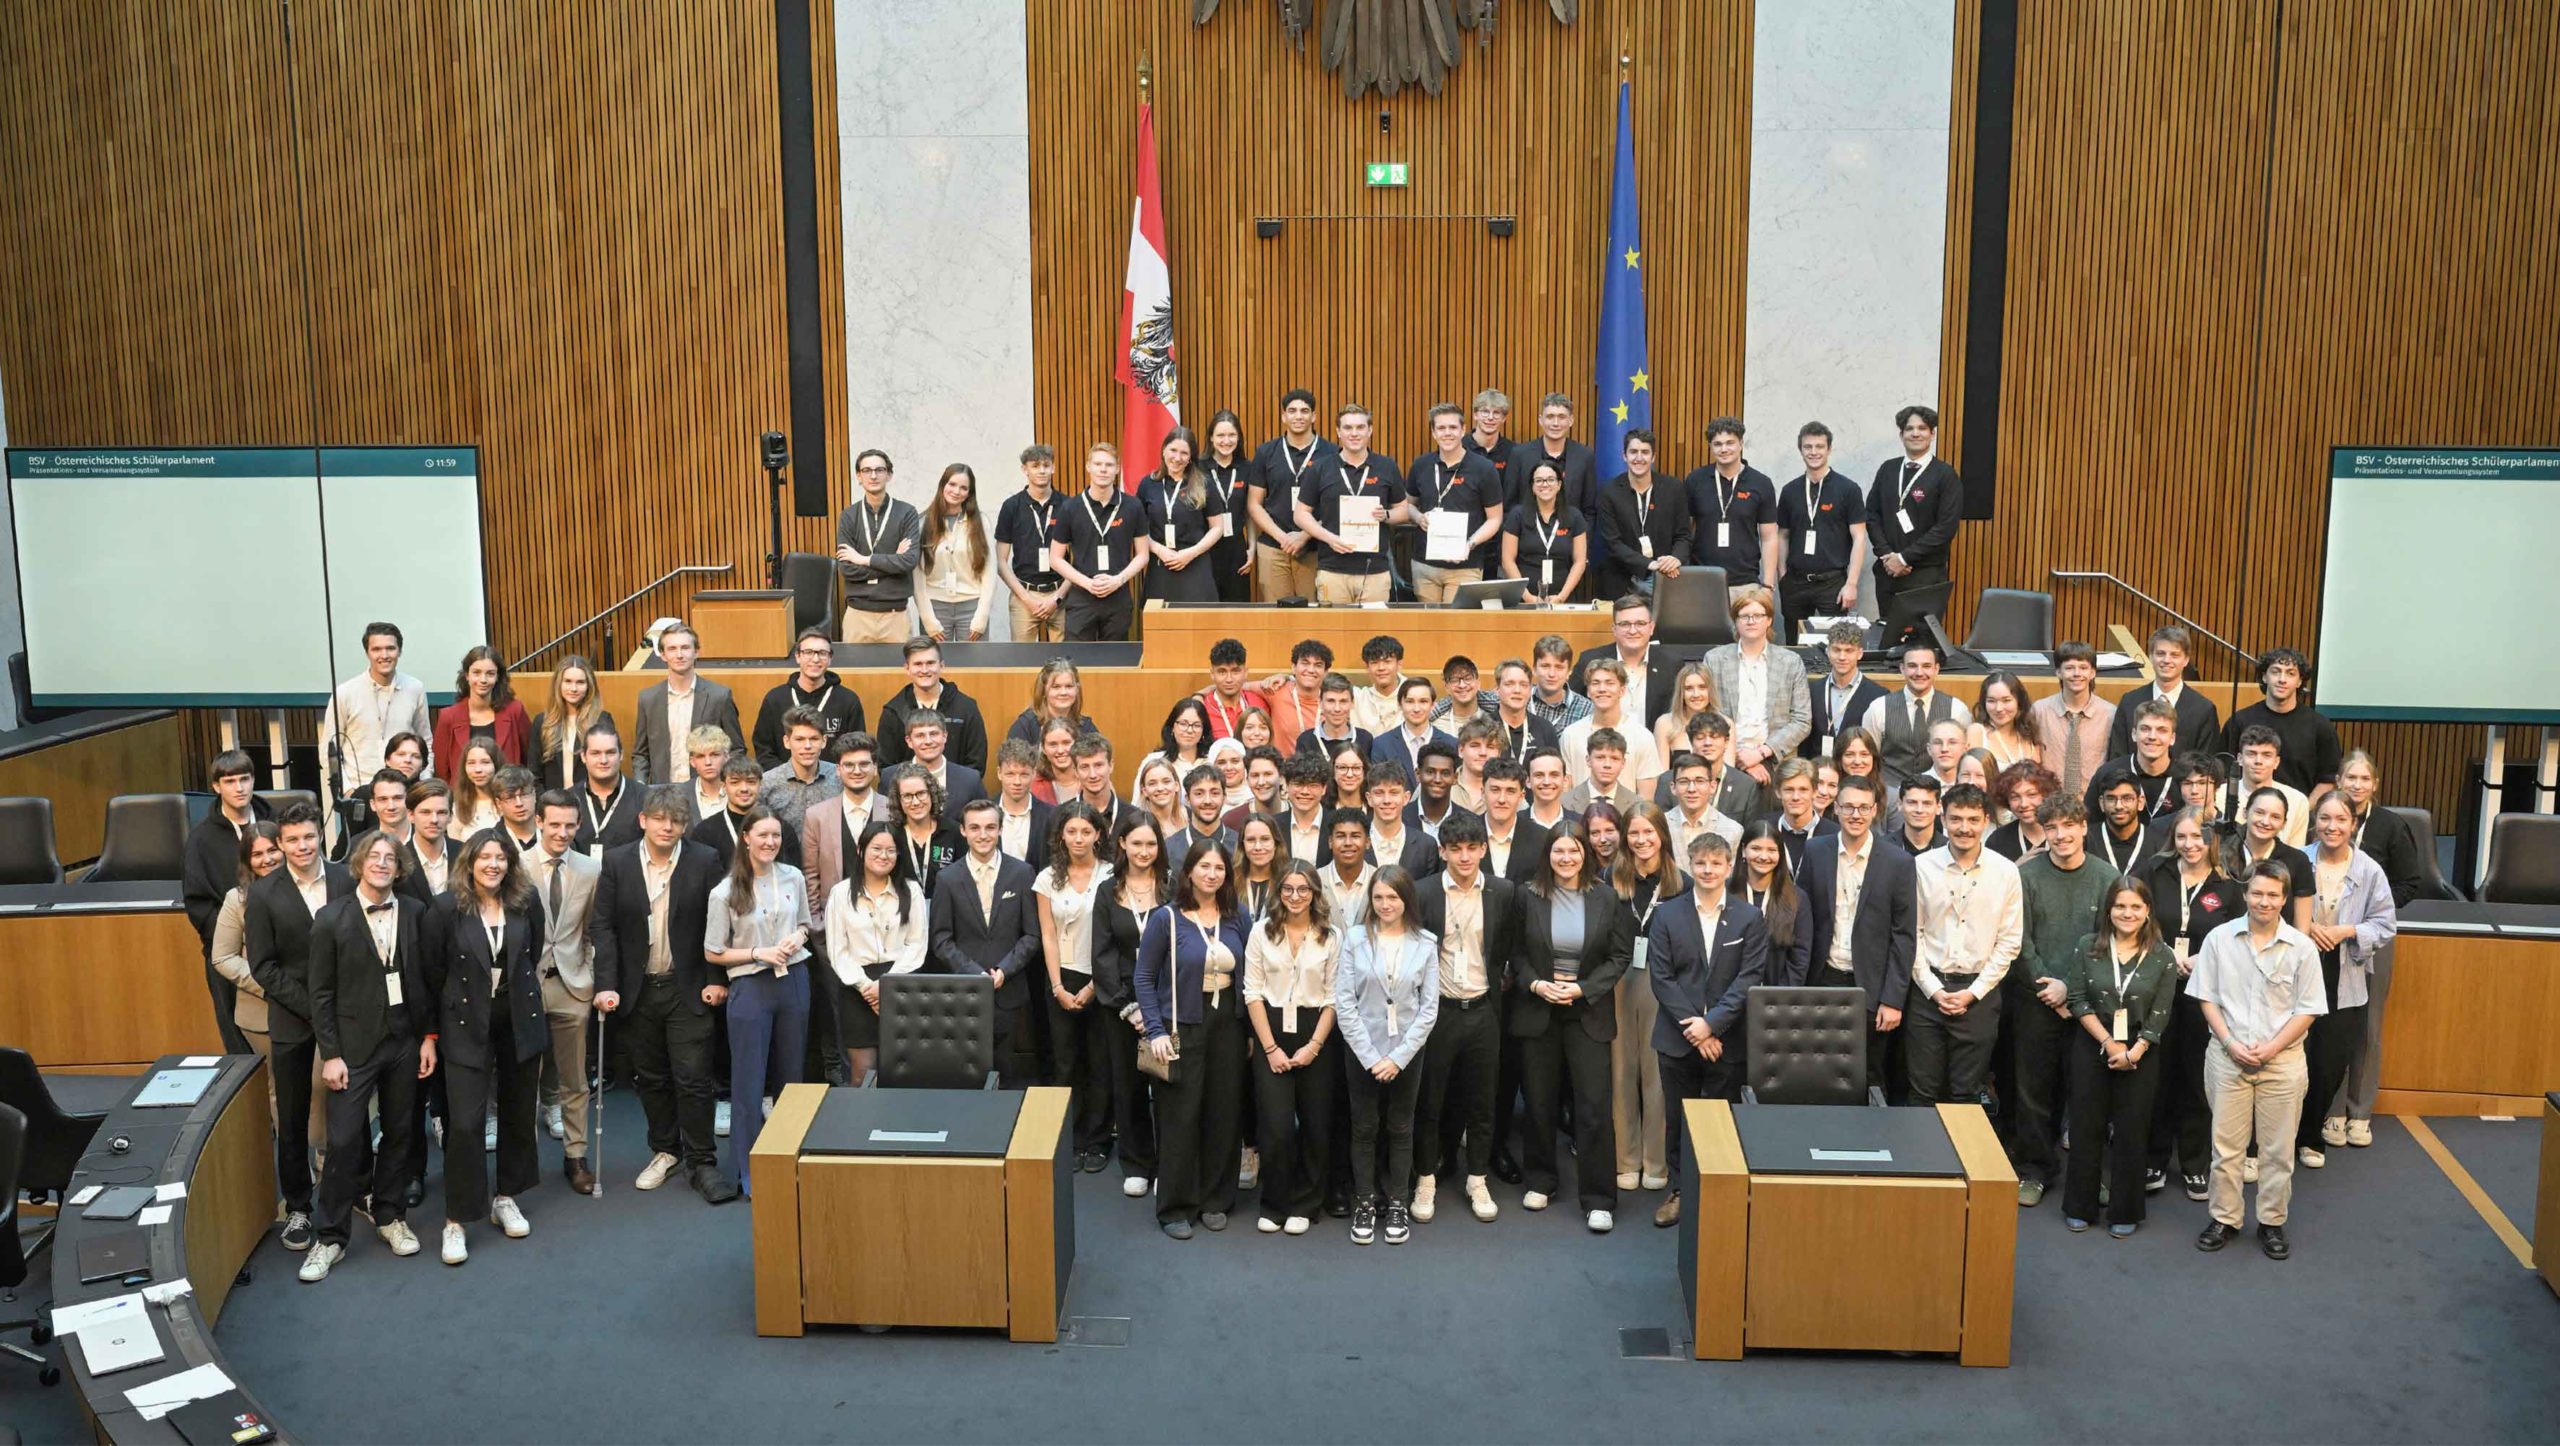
{"x": 1621, "y": 386}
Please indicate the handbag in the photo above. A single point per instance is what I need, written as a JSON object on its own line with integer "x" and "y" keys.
{"x": 1160, "y": 1070}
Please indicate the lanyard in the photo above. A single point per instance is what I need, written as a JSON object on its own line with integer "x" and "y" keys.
{"x": 1221, "y": 489}
{"x": 2107, "y": 841}
{"x": 1839, "y": 699}
{"x": 1221, "y": 722}
{"x": 870, "y": 524}
{"x": 2187, "y": 901}
{"x": 1812, "y": 491}
{"x": 1515, "y": 740}
{"x": 1352, "y": 486}
{"x": 1725, "y": 494}
{"x": 1644, "y": 505}
{"x": 1296, "y": 464}
{"x": 1756, "y": 898}
{"x": 1547, "y": 534}
{"x": 595, "y": 820}
{"x": 1104, "y": 518}
{"x": 1041, "y": 513}
{"x": 1912, "y": 467}
{"x": 917, "y": 853}
{"x": 2123, "y": 976}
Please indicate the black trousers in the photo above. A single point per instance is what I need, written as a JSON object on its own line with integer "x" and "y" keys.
{"x": 1566, "y": 1056}
{"x": 1296, "y": 1110}
{"x": 2181, "y": 1119}
{"x": 1226, "y": 555}
{"x": 1690, "y": 1075}
{"x": 670, "y": 1070}
{"x": 1085, "y": 1039}
{"x": 1803, "y": 595}
{"x": 1382, "y": 1133}
{"x": 1461, "y": 1067}
{"x": 1506, "y": 1082}
{"x": 2032, "y": 1107}
{"x": 426, "y": 1101}
{"x": 390, "y": 1072}
{"x": 823, "y": 1059}
{"x": 1949, "y": 1055}
{"x": 1196, "y": 1115}
{"x": 2335, "y": 1039}
{"x": 2110, "y": 1131}
{"x": 514, "y": 1084}
{"x": 1099, "y": 620}
{"x": 1017, "y": 1047}
{"x": 290, "y": 1065}
{"x": 225, "y": 995}
{"x": 1900, "y": 600}
{"x": 1131, "y": 1100}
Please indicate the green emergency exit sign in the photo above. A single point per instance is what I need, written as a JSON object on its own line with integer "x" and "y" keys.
{"x": 1386, "y": 173}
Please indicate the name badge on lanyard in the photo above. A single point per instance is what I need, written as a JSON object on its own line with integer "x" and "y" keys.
{"x": 1102, "y": 524}
{"x": 1812, "y": 512}
{"x": 1644, "y": 521}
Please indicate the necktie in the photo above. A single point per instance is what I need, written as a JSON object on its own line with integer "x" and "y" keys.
{"x": 1920, "y": 718}
{"x": 551, "y": 897}
{"x": 2070, "y": 751}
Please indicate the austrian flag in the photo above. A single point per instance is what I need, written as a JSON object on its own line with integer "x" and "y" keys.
{"x": 1146, "y": 364}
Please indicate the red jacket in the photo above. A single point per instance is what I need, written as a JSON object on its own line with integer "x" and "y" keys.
{"x": 512, "y": 728}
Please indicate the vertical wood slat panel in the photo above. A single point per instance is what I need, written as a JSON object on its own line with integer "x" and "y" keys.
{"x": 1394, "y": 313}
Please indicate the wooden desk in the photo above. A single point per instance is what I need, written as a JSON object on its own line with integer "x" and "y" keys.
{"x": 1760, "y": 1255}
{"x": 913, "y": 1240}
{"x": 2443, "y": 1053}
{"x": 112, "y": 988}
{"x": 89, "y": 764}
{"x": 1181, "y": 637}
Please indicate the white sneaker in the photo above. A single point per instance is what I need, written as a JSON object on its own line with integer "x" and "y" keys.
{"x": 2249, "y": 1170}
{"x": 1267, "y": 1225}
{"x": 316, "y": 1262}
{"x": 398, "y": 1235}
{"x": 655, "y": 1173}
{"x": 1533, "y": 1201}
{"x": 552, "y": 1121}
{"x": 2359, "y": 1133}
{"x": 720, "y": 1119}
{"x": 1656, "y": 1182}
{"x": 456, "y": 1249}
{"x": 2333, "y": 1131}
{"x": 1298, "y": 1225}
{"x": 1426, "y": 1198}
{"x": 509, "y": 1218}
{"x": 489, "y": 1136}
{"x": 1601, "y": 1222}
{"x": 1480, "y": 1199}
{"x": 1249, "y": 1174}
{"x": 1134, "y": 1186}
{"x": 2309, "y": 1158}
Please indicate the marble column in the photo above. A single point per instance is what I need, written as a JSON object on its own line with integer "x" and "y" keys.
{"x": 933, "y": 118}
{"x": 1849, "y": 120}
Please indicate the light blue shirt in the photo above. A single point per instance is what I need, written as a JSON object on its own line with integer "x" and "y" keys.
{"x": 1385, "y": 1001}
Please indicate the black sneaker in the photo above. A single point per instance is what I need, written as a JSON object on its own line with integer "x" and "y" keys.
{"x": 1399, "y": 1223}
{"x": 1364, "y": 1222}
{"x": 2154, "y": 1181}
{"x": 297, "y": 1234}
{"x": 2197, "y": 1188}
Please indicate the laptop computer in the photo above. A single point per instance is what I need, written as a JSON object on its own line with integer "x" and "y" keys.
{"x": 114, "y": 1255}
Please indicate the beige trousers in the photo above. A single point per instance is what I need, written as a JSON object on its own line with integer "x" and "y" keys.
{"x": 1635, "y": 1079}
{"x": 1435, "y": 584}
{"x": 2266, "y": 1105}
{"x": 1278, "y": 575}
{"x": 1350, "y": 589}
{"x": 863, "y": 627}
{"x": 1028, "y": 629}
{"x": 564, "y": 1069}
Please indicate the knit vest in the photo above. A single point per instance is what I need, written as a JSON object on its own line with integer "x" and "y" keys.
{"x": 1904, "y": 748}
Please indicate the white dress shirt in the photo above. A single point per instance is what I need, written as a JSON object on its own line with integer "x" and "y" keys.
{"x": 363, "y": 717}
{"x": 1971, "y": 923}
{"x": 864, "y": 929}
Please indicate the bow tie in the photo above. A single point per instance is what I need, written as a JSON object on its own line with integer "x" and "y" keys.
{"x": 386, "y": 906}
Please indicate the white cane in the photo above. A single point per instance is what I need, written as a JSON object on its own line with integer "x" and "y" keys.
{"x": 595, "y": 1108}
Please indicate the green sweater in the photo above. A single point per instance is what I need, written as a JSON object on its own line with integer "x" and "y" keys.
{"x": 2062, "y": 909}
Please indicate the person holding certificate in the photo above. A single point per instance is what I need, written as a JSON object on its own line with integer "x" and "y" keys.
{"x": 1346, "y": 509}
{"x": 1457, "y": 495}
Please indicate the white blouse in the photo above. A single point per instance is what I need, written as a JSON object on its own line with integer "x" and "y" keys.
{"x": 1290, "y": 978}
{"x": 864, "y": 929}
{"x": 781, "y": 908}
{"x": 1071, "y": 909}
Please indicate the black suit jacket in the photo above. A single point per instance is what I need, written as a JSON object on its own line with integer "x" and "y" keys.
{"x": 961, "y": 785}
{"x": 1036, "y": 850}
{"x": 964, "y": 727}
{"x": 1660, "y": 669}
{"x": 1608, "y": 938}
{"x": 1581, "y": 490}
{"x": 1417, "y": 855}
{"x": 960, "y": 939}
{"x": 1528, "y": 850}
{"x": 1501, "y": 919}
{"x": 1617, "y": 555}
{"x": 1886, "y": 932}
{"x": 1825, "y": 727}
{"x": 1314, "y": 747}
{"x": 2199, "y": 722}
{"x": 413, "y": 877}
{"x": 1936, "y": 506}
{"x": 212, "y": 867}
{"x": 1689, "y": 983}
{"x": 620, "y": 820}
{"x": 464, "y": 1004}
{"x": 714, "y": 834}
{"x": 279, "y": 944}
{"x": 620, "y": 922}
{"x": 351, "y": 1008}
{"x": 2393, "y": 842}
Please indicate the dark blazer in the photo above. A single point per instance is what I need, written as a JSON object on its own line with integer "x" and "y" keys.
{"x": 565, "y": 769}
{"x": 714, "y": 834}
{"x": 1419, "y": 856}
{"x": 1936, "y": 506}
{"x": 964, "y": 728}
{"x": 1528, "y": 849}
{"x": 1581, "y": 490}
{"x": 2393, "y": 842}
{"x": 2199, "y": 722}
{"x": 1501, "y": 919}
{"x": 1609, "y": 938}
{"x": 1886, "y": 932}
{"x": 1825, "y": 727}
{"x": 413, "y": 876}
{"x": 279, "y": 943}
{"x": 212, "y": 867}
{"x": 620, "y": 926}
{"x": 1115, "y": 954}
{"x": 1313, "y": 747}
{"x": 1738, "y": 795}
{"x": 941, "y": 852}
{"x": 1616, "y": 552}
{"x": 620, "y": 819}
{"x": 961, "y": 939}
{"x": 712, "y": 707}
{"x": 464, "y": 1005}
{"x": 1177, "y": 845}
{"x": 1793, "y": 844}
{"x": 1661, "y": 668}
{"x": 1170, "y": 982}
{"x": 1793, "y": 961}
{"x": 1392, "y": 745}
{"x": 1689, "y": 982}
{"x": 351, "y": 1010}
{"x": 1036, "y": 850}
{"x": 961, "y": 786}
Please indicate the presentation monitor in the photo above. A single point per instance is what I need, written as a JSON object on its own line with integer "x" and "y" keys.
{"x": 240, "y": 576}
{"x": 2439, "y": 595}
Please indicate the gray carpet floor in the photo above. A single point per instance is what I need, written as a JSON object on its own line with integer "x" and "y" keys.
{"x": 629, "y": 1319}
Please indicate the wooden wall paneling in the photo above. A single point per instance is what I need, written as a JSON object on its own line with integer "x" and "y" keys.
{"x": 1384, "y": 304}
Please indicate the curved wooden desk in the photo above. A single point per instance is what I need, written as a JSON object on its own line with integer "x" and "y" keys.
{"x": 223, "y": 1149}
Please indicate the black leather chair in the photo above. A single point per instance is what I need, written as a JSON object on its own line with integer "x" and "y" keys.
{"x": 937, "y": 1032}
{"x": 811, "y": 580}
{"x": 1691, "y": 608}
{"x": 2011, "y": 619}
{"x": 2524, "y": 860}
{"x": 2431, "y": 879}
{"x": 278, "y": 800}
{"x": 56, "y": 1137}
{"x": 13, "y": 1258}
{"x": 146, "y": 839}
{"x": 1807, "y": 1047}
{"x": 27, "y": 854}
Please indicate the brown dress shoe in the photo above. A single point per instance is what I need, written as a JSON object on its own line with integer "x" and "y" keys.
{"x": 1667, "y": 1214}
{"x": 581, "y": 1179}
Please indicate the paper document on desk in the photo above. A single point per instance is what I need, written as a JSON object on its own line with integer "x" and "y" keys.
{"x": 163, "y": 1396}
{"x": 72, "y": 1319}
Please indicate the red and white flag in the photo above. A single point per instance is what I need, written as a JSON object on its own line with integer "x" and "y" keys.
{"x": 1146, "y": 364}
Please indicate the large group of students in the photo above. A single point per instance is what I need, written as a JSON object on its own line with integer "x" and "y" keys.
{"x": 1357, "y": 937}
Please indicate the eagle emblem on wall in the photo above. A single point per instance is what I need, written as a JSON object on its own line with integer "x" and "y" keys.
{"x": 1385, "y": 45}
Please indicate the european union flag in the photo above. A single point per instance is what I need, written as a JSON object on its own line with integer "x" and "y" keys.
{"x": 1619, "y": 379}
